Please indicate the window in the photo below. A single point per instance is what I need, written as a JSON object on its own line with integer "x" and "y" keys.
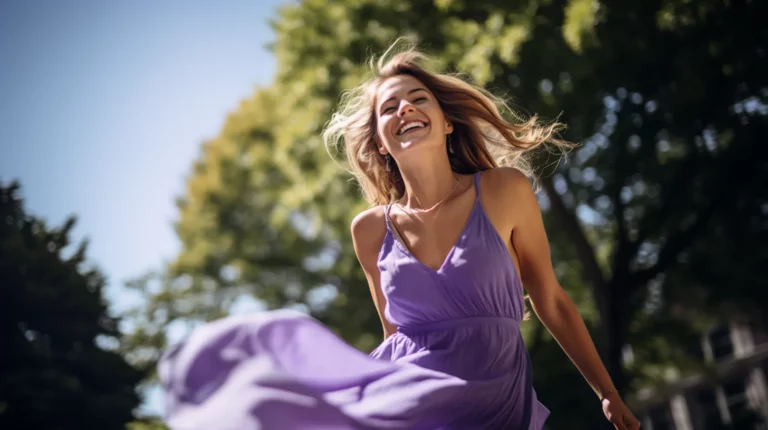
{"x": 742, "y": 416}
{"x": 692, "y": 345}
{"x": 707, "y": 405}
{"x": 720, "y": 340}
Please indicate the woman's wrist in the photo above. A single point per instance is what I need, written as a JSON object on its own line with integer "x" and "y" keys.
{"x": 604, "y": 394}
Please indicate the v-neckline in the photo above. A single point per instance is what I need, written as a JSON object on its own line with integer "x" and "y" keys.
{"x": 397, "y": 238}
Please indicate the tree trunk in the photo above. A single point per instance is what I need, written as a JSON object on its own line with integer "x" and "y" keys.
{"x": 611, "y": 297}
{"x": 570, "y": 223}
{"x": 617, "y": 326}
{"x": 616, "y": 336}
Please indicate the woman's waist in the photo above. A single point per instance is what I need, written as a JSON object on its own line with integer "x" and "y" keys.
{"x": 473, "y": 348}
{"x": 455, "y": 324}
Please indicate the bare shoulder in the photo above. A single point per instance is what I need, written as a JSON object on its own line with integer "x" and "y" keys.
{"x": 508, "y": 196}
{"x": 505, "y": 183}
{"x": 368, "y": 230}
{"x": 368, "y": 223}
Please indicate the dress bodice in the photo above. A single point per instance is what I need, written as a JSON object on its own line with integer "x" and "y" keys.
{"x": 477, "y": 279}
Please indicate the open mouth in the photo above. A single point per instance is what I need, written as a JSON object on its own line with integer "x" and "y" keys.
{"x": 410, "y": 126}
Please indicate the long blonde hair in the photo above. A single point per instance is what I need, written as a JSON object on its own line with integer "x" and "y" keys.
{"x": 481, "y": 139}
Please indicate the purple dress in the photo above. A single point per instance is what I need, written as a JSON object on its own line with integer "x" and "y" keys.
{"x": 457, "y": 360}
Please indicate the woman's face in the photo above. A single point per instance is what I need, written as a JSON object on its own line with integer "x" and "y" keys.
{"x": 408, "y": 117}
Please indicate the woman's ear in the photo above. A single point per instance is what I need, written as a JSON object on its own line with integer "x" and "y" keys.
{"x": 379, "y": 146}
{"x": 448, "y": 127}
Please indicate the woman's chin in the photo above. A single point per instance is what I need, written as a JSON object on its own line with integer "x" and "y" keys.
{"x": 420, "y": 143}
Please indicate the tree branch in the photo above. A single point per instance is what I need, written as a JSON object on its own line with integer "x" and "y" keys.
{"x": 672, "y": 248}
{"x": 678, "y": 185}
{"x": 736, "y": 173}
{"x": 585, "y": 252}
{"x": 682, "y": 239}
{"x": 624, "y": 249}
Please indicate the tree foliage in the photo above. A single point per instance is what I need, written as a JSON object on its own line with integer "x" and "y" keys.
{"x": 146, "y": 424}
{"x": 53, "y": 373}
{"x": 656, "y": 220}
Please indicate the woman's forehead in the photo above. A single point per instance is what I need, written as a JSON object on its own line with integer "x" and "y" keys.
{"x": 396, "y": 85}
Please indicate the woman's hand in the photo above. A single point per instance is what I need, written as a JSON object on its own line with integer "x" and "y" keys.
{"x": 618, "y": 413}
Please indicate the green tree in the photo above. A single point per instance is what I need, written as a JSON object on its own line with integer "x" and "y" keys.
{"x": 671, "y": 119}
{"x": 53, "y": 318}
{"x": 650, "y": 219}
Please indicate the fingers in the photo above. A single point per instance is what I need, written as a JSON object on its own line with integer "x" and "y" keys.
{"x": 621, "y": 417}
{"x": 625, "y": 422}
{"x": 631, "y": 422}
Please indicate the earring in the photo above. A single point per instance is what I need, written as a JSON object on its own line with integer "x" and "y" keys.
{"x": 450, "y": 147}
{"x": 388, "y": 162}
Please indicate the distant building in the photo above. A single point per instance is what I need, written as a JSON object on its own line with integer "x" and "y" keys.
{"x": 735, "y": 396}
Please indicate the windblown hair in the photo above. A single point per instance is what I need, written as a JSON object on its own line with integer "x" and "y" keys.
{"x": 481, "y": 139}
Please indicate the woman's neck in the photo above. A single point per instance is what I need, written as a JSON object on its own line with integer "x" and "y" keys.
{"x": 428, "y": 183}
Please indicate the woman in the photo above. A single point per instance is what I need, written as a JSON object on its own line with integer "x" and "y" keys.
{"x": 447, "y": 246}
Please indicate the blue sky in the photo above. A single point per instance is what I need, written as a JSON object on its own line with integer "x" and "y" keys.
{"x": 103, "y": 106}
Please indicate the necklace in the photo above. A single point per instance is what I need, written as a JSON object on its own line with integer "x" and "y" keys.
{"x": 458, "y": 181}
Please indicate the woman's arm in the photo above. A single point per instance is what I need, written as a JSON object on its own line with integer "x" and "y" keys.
{"x": 368, "y": 230}
{"x": 552, "y": 305}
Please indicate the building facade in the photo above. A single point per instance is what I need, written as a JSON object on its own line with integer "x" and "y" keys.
{"x": 734, "y": 396}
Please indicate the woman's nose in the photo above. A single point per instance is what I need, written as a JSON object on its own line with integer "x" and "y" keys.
{"x": 405, "y": 108}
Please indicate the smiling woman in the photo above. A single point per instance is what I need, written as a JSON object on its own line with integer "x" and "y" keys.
{"x": 475, "y": 132}
{"x": 450, "y": 243}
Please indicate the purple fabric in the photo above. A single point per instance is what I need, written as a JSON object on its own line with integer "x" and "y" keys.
{"x": 457, "y": 361}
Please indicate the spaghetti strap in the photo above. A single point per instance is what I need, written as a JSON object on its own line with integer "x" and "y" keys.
{"x": 477, "y": 185}
{"x": 390, "y": 225}
{"x": 386, "y": 215}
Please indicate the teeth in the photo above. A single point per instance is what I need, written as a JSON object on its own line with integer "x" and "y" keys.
{"x": 411, "y": 125}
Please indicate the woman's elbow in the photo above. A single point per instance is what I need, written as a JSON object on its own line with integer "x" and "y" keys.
{"x": 554, "y": 306}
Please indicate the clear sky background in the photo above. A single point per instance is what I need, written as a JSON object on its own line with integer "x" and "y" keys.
{"x": 103, "y": 106}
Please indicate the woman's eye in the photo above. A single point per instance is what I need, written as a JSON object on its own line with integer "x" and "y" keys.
{"x": 391, "y": 108}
